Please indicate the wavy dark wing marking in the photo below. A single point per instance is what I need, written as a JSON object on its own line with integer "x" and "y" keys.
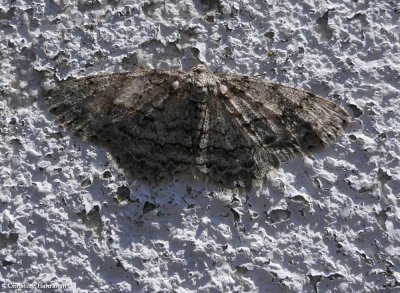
{"x": 138, "y": 116}
{"x": 226, "y": 153}
{"x": 287, "y": 121}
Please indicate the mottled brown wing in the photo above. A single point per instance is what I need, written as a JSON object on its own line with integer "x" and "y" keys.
{"x": 228, "y": 154}
{"x": 139, "y": 117}
{"x": 294, "y": 119}
{"x": 266, "y": 123}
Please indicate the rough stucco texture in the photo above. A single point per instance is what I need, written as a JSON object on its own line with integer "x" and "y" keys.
{"x": 69, "y": 216}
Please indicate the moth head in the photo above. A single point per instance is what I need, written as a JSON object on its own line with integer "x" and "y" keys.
{"x": 203, "y": 83}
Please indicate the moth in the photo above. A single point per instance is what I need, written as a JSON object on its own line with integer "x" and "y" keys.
{"x": 233, "y": 129}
